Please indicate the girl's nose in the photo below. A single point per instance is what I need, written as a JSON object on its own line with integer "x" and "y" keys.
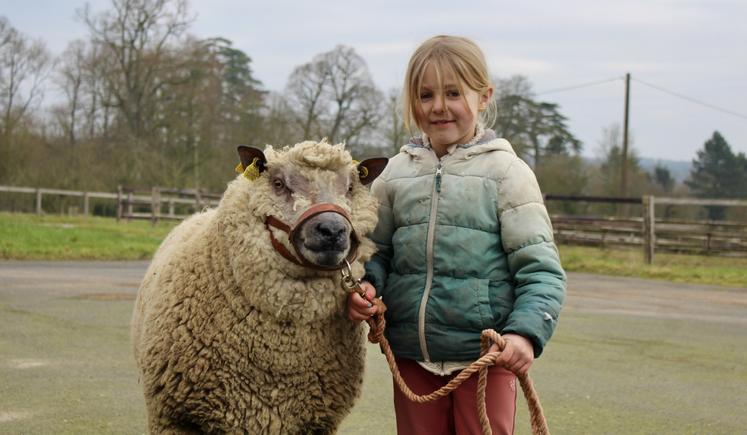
{"x": 439, "y": 105}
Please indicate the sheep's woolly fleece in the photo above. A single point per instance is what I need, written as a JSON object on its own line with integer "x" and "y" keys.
{"x": 231, "y": 337}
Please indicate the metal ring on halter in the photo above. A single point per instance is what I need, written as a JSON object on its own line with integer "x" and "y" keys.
{"x": 348, "y": 281}
{"x": 347, "y": 275}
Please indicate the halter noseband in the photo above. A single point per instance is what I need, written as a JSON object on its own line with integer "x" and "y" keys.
{"x": 312, "y": 211}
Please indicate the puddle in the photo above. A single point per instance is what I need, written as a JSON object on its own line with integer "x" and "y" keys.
{"x": 115, "y": 296}
{"x": 23, "y": 364}
{"x": 8, "y": 416}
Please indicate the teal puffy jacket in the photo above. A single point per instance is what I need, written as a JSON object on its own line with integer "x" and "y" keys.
{"x": 464, "y": 244}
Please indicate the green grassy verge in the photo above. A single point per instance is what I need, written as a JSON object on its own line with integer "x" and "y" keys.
{"x": 31, "y": 237}
{"x": 693, "y": 269}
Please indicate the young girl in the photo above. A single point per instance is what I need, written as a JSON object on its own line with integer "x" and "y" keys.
{"x": 464, "y": 244}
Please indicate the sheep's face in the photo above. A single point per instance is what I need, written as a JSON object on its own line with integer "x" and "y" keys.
{"x": 313, "y": 200}
{"x": 324, "y": 239}
{"x": 282, "y": 185}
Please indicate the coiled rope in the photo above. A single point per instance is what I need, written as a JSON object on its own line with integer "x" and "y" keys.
{"x": 377, "y": 324}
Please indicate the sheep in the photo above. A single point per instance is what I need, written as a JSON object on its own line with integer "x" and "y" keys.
{"x": 239, "y": 326}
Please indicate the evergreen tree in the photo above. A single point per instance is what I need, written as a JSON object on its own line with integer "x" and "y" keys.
{"x": 535, "y": 128}
{"x": 663, "y": 177}
{"x": 718, "y": 173}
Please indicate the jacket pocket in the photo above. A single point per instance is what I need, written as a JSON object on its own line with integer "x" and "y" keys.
{"x": 459, "y": 304}
{"x": 501, "y": 296}
{"x": 482, "y": 294}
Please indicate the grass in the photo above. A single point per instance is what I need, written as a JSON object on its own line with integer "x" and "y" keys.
{"x": 50, "y": 237}
{"x": 693, "y": 269}
{"x": 31, "y": 237}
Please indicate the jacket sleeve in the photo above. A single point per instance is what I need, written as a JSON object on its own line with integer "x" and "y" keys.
{"x": 533, "y": 259}
{"x": 377, "y": 269}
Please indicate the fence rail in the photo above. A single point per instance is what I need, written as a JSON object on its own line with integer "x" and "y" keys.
{"x": 647, "y": 231}
{"x": 132, "y": 203}
{"x": 653, "y": 235}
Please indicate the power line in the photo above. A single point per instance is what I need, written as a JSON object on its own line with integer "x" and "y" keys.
{"x": 582, "y": 85}
{"x": 692, "y": 100}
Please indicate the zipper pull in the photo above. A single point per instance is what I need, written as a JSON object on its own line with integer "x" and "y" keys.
{"x": 438, "y": 178}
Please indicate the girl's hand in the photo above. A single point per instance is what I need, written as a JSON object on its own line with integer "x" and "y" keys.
{"x": 358, "y": 308}
{"x": 518, "y": 355}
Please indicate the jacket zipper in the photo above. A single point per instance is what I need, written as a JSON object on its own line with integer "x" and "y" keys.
{"x": 429, "y": 262}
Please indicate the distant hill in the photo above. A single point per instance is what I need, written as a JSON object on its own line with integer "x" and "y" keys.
{"x": 680, "y": 169}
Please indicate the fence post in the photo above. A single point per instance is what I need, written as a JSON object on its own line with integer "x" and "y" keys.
{"x": 85, "y": 203}
{"x": 130, "y": 195}
{"x": 119, "y": 202}
{"x": 38, "y": 201}
{"x": 155, "y": 204}
{"x": 198, "y": 201}
{"x": 649, "y": 230}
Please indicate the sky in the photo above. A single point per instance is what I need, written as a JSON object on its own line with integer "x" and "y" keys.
{"x": 687, "y": 58}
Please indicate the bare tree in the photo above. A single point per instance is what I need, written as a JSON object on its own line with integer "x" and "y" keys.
{"x": 307, "y": 92}
{"x": 134, "y": 37}
{"x": 70, "y": 79}
{"x": 334, "y": 96}
{"x": 24, "y": 65}
{"x": 279, "y": 124}
{"x": 393, "y": 127}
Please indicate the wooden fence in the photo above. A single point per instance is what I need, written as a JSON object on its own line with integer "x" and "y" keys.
{"x": 650, "y": 233}
{"x": 131, "y": 203}
{"x": 180, "y": 203}
{"x": 645, "y": 231}
{"x": 40, "y": 192}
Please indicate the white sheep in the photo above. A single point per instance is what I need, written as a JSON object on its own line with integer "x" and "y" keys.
{"x": 239, "y": 327}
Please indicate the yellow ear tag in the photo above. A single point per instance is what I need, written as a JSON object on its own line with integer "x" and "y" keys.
{"x": 252, "y": 171}
{"x": 364, "y": 171}
{"x": 239, "y": 168}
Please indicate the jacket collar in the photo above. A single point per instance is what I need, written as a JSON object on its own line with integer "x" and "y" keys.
{"x": 486, "y": 143}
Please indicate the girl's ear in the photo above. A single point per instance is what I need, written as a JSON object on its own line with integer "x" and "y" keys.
{"x": 485, "y": 99}
{"x": 369, "y": 169}
{"x": 248, "y": 156}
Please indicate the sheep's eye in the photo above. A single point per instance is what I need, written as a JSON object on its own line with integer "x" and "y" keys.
{"x": 350, "y": 188}
{"x": 278, "y": 184}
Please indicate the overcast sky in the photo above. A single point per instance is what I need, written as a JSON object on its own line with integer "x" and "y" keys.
{"x": 694, "y": 49}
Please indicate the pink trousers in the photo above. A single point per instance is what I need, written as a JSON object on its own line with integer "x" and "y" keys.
{"x": 457, "y": 412}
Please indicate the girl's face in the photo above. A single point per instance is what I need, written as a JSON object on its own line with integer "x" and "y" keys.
{"x": 445, "y": 115}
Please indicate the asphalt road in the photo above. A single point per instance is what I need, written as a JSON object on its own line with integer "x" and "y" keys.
{"x": 586, "y": 292}
{"x": 66, "y": 364}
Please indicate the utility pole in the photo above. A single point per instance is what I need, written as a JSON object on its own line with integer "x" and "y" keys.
{"x": 624, "y": 165}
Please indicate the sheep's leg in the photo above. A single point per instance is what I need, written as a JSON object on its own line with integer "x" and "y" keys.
{"x": 320, "y": 430}
{"x": 165, "y": 426}
{"x": 176, "y": 429}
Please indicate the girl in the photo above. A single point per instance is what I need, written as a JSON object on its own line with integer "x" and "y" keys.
{"x": 464, "y": 244}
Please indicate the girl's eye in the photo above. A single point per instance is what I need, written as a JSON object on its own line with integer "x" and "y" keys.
{"x": 453, "y": 93}
{"x": 278, "y": 184}
{"x": 425, "y": 95}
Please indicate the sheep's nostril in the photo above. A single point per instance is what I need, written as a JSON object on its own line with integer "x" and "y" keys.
{"x": 330, "y": 230}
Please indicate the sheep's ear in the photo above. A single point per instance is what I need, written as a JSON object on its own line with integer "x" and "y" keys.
{"x": 369, "y": 169}
{"x": 248, "y": 156}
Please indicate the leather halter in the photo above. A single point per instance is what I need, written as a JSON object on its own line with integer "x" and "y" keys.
{"x": 312, "y": 211}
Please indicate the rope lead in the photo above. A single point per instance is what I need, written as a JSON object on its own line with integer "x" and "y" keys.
{"x": 377, "y": 324}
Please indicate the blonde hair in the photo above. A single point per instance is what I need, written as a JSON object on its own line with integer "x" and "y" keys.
{"x": 455, "y": 54}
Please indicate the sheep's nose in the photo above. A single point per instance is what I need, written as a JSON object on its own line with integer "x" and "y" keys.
{"x": 331, "y": 231}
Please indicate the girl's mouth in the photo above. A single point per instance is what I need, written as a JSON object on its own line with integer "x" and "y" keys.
{"x": 441, "y": 122}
